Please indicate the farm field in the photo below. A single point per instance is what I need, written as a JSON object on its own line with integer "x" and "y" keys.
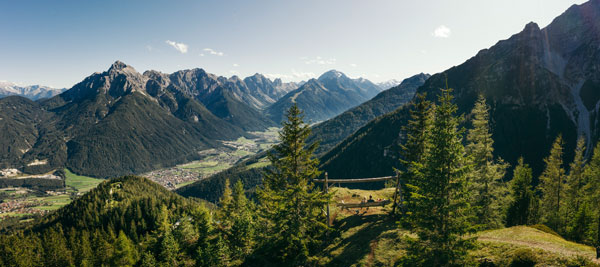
{"x": 79, "y": 183}
{"x": 23, "y": 202}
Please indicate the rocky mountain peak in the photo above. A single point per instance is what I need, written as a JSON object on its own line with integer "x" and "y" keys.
{"x": 531, "y": 26}
{"x": 118, "y": 65}
{"x": 332, "y": 74}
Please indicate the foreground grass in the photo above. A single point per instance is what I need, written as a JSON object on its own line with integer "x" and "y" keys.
{"x": 372, "y": 238}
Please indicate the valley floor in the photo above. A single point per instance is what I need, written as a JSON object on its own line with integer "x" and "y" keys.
{"x": 215, "y": 160}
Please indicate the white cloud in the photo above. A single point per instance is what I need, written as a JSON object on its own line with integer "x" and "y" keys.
{"x": 320, "y": 61}
{"x": 233, "y": 72}
{"x": 353, "y": 65}
{"x": 201, "y": 54}
{"x": 181, "y": 47}
{"x": 441, "y": 32}
{"x": 302, "y": 75}
{"x": 236, "y": 65}
{"x": 213, "y": 52}
{"x": 149, "y": 48}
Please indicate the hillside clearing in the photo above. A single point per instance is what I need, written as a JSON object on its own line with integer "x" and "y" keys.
{"x": 372, "y": 238}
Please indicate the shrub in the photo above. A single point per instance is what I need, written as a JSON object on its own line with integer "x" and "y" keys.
{"x": 523, "y": 257}
{"x": 544, "y": 229}
{"x": 486, "y": 263}
{"x": 579, "y": 261}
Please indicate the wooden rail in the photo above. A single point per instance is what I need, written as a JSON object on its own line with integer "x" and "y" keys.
{"x": 350, "y": 181}
{"x": 364, "y": 205}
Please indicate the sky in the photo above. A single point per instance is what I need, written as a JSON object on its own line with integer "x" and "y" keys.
{"x": 59, "y": 43}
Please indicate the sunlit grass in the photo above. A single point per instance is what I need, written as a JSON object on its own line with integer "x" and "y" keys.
{"x": 80, "y": 183}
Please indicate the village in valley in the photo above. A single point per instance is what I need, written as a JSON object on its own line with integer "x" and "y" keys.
{"x": 214, "y": 160}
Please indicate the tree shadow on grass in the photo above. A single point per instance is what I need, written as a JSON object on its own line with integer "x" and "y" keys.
{"x": 356, "y": 246}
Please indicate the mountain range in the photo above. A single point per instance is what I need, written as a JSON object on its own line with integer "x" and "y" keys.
{"x": 389, "y": 84}
{"x": 121, "y": 121}
{"x": 33, "y": 92}
{"x": 539, "y": 83}
{"x": 323, "y": 98}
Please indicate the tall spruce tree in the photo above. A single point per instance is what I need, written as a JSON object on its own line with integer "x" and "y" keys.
{"x": 441, "y": 216}
{"x": 592, "y": 192}
{"x": 520, "y": 210}
{"x": 236, "y": 223}
{"x": 413, "y": 149}
{"x": 489, "y": 191}
{"x": 552, "y": 188}
{"x": 576, "y": 179}
{"x": 289, "y": 202}
{"x": 125, "y": 254}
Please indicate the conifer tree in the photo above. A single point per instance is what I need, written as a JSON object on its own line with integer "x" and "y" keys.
{"x": 148, "y": 260}
{"x": 226, "y": 199}
{"x": 242, "y": 228}
{"x": 441, "y": 218}
{"x": 591, "y": 172}
{"x": 289, "y": 202}
{"x": 103, "y": 249}
{"x": 413, "y": 149}
{"x": 80, "y": 245}
{"x": 592, "y": 192}
{"x": 520, "y": 210}
{"x": 235, "y": 221}
{"x": 489, "y": 191}
{"x": 167, "y": 246}
{"x": 124, "y": 251}
{"x": 575, "y": 181}
{"x": 552, "y": 188}
{"x": 168, "y": 249}
{"x": 56, "y": 252}
{"x": 580, "y": 228}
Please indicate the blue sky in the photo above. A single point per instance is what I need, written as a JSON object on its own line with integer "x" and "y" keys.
{"x": 59, "y": 43}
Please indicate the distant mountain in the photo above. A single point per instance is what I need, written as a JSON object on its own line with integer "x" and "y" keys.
{"x": 112, "y": 123}
{"x": 539, "y": 83}
{"x": 388, "y": 84}
{"x": 325, "y": 97}
{"x": 331, "y": 132}
{"x": 266, "y": 91}
{"x": 33, "y": 92}
{"x": 229, "y": 99}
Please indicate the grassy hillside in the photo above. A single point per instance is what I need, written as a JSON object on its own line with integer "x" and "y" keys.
{"x": 372, "y": 238}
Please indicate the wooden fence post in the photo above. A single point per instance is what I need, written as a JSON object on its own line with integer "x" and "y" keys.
{"x": 327, "y": 192}
{"x": 396, "y": 193}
